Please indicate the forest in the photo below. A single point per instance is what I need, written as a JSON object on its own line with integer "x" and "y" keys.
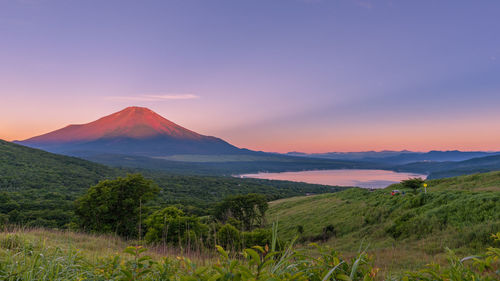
{"x": 38, "y": 188}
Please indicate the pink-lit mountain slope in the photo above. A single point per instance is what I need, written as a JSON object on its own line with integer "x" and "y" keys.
{"x": 134, "y": 130}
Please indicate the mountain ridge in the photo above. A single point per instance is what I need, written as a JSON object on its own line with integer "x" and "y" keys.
{"x": 400, "y": 157}
{"x": 134, "y": 130}
{"x": 134, "y": 122}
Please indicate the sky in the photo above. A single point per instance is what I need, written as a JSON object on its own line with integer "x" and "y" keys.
{"x": 271, "y": 75}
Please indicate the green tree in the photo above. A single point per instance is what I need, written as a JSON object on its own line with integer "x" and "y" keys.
{"x": 250, "y": 209}
{"x": 170, "y": 225}
{"x": 229, "y": 237}
{"x": 114, "y": 206}
{"x": 413, "y": 183}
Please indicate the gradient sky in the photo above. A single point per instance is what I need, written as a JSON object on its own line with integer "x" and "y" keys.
{"x": 273, "y": 75}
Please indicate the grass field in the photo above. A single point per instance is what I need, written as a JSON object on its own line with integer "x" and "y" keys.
{"x": 402, "y": 231}
{"x": 381, "y": 237}
{"x": 39, "y": 254}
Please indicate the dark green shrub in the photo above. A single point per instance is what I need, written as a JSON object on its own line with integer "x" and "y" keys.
{"x": 249, "y": 209}
{"x": 418, "y": 200}
{"x": 171, "y": 226}
{"x": 413, "y": 183}
{"x": 229, "y": 237}
{"x": 300, "y": 229}
{"x": 4, "y": 219}
{"x": 114, "y": 206}
{"x": 257, "y": 237}
{"x": 327, "y": 232}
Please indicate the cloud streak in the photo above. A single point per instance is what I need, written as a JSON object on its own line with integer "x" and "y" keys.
{"x": 166, "y": 97}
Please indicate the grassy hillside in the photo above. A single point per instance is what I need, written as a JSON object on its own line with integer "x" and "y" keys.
{"x": 460, "y": 213}
{"x": 22, "y": 167}
{"x": 38, "y": 188}
{"x": 38, "y": 254}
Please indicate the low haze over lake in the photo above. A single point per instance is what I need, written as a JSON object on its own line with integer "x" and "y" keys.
{"x": 360, "y": 178}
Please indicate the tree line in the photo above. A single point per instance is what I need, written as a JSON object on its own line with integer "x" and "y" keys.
{"x": 121, "y": 207}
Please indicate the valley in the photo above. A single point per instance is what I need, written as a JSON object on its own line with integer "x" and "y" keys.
{"x": 238, "y": 198}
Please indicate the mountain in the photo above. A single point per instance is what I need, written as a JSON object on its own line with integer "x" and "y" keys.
{"x": 132, "y": 131}
{"x": 400, "y": 157}
{"x": 446, "y": 169}
{"x": 137, "y": 137}
{"x": 452, "y": 155}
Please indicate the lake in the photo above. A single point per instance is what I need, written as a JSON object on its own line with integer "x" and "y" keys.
{"x": 360, "y": 178}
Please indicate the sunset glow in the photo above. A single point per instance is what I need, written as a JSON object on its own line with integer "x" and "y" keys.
{"x": 309, "y": 76}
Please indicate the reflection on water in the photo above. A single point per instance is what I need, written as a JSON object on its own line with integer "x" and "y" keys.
{"x": 361, "y": 178}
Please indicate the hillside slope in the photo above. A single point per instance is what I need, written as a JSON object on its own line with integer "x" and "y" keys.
{"x": 39, "y": 188}
{"x": 460, "y": 213}
{"x": 23, "y": 167}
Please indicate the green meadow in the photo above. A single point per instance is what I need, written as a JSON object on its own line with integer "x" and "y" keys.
{"x": 402, "y": 231}
{"x": 355, "y": 234}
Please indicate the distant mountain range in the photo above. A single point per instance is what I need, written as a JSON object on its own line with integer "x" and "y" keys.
{"x": 399, "y": 157}
{"x": 447, "y": 169}
{"x": 435, "y": 164}
{"x": 137, "y": 137}
{"x": 132, "y": 131}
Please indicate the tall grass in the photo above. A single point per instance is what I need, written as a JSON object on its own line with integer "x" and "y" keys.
{"x": 44, "y": 255}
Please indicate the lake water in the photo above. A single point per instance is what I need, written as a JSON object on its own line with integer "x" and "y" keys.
{"x": 360, "y": 178}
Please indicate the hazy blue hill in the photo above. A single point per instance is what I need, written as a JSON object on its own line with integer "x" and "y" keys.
{"x": 436, "y": 164}
{"x": 400, "y": 157}
{"x": 451, "y": 169}
{"x": 441, "y": 156}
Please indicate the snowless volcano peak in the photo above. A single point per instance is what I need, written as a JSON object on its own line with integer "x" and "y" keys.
{"x": 131, "y": 122}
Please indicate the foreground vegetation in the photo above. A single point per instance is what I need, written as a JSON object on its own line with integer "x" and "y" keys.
{"x": 190, "y": 215}
{"x": 37, "y": 254}
{"x": 381, "y": 235}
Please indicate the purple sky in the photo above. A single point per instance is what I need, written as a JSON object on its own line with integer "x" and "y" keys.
{"x": 305, "y": 75}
